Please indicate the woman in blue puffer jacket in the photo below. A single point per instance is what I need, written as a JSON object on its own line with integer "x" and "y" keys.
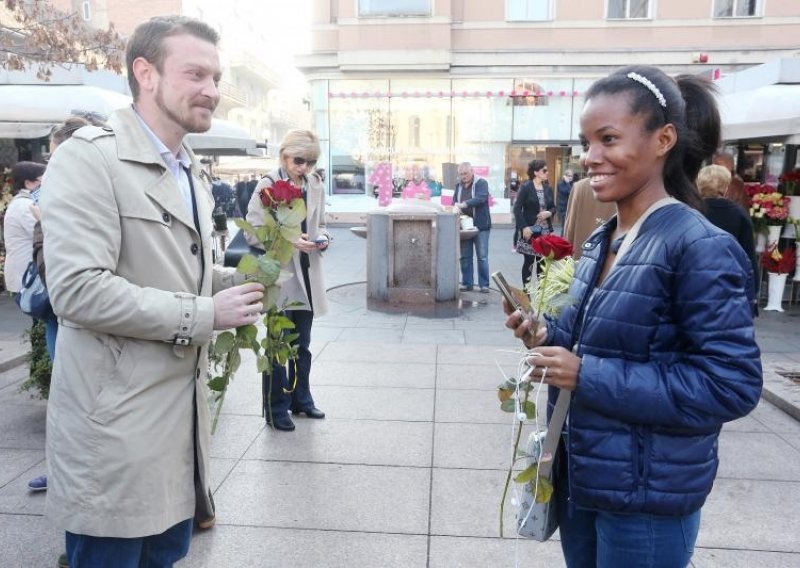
{"x": 659, "y": 350}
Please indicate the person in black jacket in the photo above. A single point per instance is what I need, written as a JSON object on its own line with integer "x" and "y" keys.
{"x": 533, "y": 212}
{"x": 713, "y": 182}
{"x": 564, "y": 188}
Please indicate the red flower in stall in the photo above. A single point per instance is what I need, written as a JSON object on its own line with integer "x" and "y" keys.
{"x": 552, "y": 246}
{"x": 281, "y": 191}
{"x": 778, "y": 262}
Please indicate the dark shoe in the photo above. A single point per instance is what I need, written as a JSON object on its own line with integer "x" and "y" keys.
{"x": 281, "y": 422}
{"x": 63, "y": 561}
{"x": 465, "y": 288}
{"x": 206, "y": 523}
{"x": 484, "y": 290}
{"x": 38, "y": 483}
{"x": 312, "y": 412}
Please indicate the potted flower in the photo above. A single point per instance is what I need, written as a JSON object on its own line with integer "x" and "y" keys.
{"x": 778, "y": 266}
{"x": 769, "y": 210}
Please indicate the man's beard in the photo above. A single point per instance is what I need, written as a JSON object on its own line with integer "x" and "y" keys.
{"x": 187, "y": 123}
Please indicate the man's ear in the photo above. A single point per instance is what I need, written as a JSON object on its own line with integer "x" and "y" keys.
{"x": 145, "y": 74}
{"x": 667, "y": 137}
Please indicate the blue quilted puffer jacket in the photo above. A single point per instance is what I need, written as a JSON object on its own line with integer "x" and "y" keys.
{"x": 668, "y": 354}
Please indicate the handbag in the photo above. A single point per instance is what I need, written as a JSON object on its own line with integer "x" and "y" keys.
{"x": 540, "y": 520}
{"x": 33, "y": 298}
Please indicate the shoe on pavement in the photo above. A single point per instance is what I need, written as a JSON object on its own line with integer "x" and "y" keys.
{"x": 465, "y": 288}
{"x": 484, "y": 290}
{"x": 207, "y": 523}
{"x": 63, "y": 561}
{"x": 281, "y": 422}
{"x": 312, "y": 412}
{"x": 38, "y": 483}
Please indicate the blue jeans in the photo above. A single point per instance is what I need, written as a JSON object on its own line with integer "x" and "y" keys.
{"x": 602, "y": 539}
{"x": 50, "y": 334}
{"x": 299, "y": 370}
{"x": 155, "y": 551}
{"x": 480, "y": 244}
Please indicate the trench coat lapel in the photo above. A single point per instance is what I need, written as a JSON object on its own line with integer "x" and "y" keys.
{"x": 133, "y": 144}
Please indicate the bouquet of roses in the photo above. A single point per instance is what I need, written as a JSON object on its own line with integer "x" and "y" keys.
{"x": 285, "y": 212}
{"x": 767, "y": 206}
{"x": 550, "y": 295}
{"x": 790, "y": 183}
{"x": 778, "y": 262}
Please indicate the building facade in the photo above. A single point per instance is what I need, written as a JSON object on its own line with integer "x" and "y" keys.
{"x": 430, "y": 83}
{"x": 261, "y": 90}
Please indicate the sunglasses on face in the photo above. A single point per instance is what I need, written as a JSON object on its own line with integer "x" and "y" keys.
{"x": 298, "y": 161}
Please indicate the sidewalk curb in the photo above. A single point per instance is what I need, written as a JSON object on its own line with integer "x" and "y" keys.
{"x": 781, "y": 403}
{"x": 12, "y": 362}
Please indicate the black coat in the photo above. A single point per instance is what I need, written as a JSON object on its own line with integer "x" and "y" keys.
{"x": 526, "y": 207}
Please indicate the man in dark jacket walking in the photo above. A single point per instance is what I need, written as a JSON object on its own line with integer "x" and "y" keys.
{"x": 472, "y": 199}
{"x": 564, "y": 189}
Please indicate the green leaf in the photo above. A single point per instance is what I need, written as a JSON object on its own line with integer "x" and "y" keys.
{"x": 235, "y": 361}
{"x": 268, "y": 270}
{"x": 508, "y": 406}
{"x": 526, "y": 475}
{"x": 293, "y": 214}
{"x": 291, "y": 234}
{"x": 544, "y": 492}
{"x": 262, "y": 364}
{"x": 217, "y": 384}
{"x": 246, "y": 334}
{"x": 224, "y": 343}
{"x": 244, "y": 226}
{"x": 504, "y": 394}
{"x": 248, "y": 265}
{"x": 529, "y": 408}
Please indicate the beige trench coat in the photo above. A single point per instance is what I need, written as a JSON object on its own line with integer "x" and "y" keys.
{"x": 294, "y": 290}
{"x": 127, "y": 419}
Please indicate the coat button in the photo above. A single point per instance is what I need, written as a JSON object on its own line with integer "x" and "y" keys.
{"x": 165, "y": 216}
{"x": 193, "y": 248}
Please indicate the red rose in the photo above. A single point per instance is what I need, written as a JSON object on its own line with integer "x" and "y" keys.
{"x": 281, "y": 191}
{"x": 552, "y": 246}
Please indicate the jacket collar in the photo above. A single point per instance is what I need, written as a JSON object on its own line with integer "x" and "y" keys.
{"x": 134, "y": 144}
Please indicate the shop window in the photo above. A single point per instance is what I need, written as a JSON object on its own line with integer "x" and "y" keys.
{"x": 736, "y": 8}
{"x": 529, "y": 93}
{"x": 628, "y": 9}
{"x": 529, "y": 10}
{"x": 413, "y": 131}
{"x": 87, "y": 10}
{"x": 368, "y": 8}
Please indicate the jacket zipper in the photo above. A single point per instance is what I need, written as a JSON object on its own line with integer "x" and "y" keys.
{"x": 583, "y": 309}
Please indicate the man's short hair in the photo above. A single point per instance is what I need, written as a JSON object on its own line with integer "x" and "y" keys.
{"x": 25, "y": 171}
{"x": 147, "y": 41}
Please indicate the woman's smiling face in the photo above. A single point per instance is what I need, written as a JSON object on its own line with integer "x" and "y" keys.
{"x": 621, "y": 158}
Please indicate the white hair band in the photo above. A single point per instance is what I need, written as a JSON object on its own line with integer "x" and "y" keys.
{"x": 650, "y": 87}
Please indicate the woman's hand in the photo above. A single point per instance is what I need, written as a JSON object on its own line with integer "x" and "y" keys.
{"x": 562, "y": 365}
{"x": 304, "y": 245}
{"x": 527, "y": 233}
{"x": 544, "y": 215}
{"x": 526, "y": 327}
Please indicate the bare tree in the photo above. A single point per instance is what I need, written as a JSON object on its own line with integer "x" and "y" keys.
{"x": 35, "y": 35}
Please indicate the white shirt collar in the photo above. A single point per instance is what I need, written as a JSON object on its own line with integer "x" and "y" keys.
{"x": 171, "y": 159}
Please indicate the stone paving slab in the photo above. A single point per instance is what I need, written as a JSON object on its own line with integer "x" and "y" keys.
{"x": 743, "y": 513}
{"x": 326, "y": 497}
{"x": 362, "y": 374}
{"x": 464, "y": 552}
{"x": 28, "y": 542}
{"x": 376, "y": 403}
{"x": 369, "y": 442}
{"x": 720, "y": 558}
{"x": 240, "y": 546}
{"x": 755, "y": 455}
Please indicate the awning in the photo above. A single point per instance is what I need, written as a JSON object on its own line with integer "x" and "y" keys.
{"x": 31, "y": 111}
{"x": 770, "y": 113}
{"x": 241, "y": 165}
{"x": 223, "y": 139}
{"x": 55, "y": 103}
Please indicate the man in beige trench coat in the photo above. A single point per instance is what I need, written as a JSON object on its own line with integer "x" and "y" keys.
{"x": 127, "y": 233}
